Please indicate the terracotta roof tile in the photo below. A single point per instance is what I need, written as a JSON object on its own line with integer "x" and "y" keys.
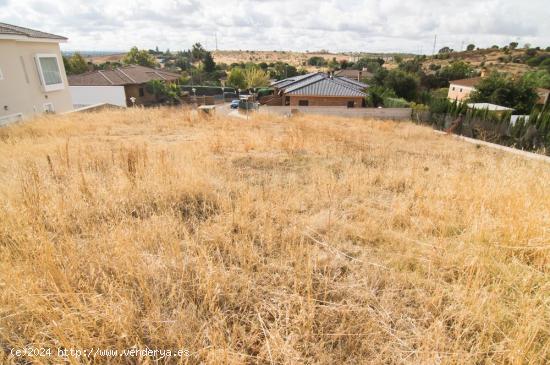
{"x": 472, "y": 82}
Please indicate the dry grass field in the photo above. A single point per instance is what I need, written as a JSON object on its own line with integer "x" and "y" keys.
{"x": 271, "y": 241}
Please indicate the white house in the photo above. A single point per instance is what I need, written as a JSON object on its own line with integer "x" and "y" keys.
{"x": 118, "y": 86}
{"x": 32, "y": 75}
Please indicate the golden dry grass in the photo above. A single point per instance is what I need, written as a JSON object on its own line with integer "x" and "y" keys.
{"x": 284, "y": 241}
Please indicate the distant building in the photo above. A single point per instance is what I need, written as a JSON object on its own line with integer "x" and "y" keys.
{"x": 32, "y": 75}
{"x": 498, "y": 109}
{"x": 117, "y": 86}
{"x": 350, "y": 74}
{"x": 460, "y": 90}
{"x": 318, "y": 89}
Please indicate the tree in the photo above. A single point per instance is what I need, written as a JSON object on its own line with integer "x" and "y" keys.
{"x": 366, "y": 61}
{"x": 513, "y": 45}
{"x": 445, "y": 50}
{"x": 77, "y": 64}
{"x": 403, "y": 83}
{"x": 502, "y": 90}
{"x": 281, "y": 70}
{"x": 67, "y": 64}
{"x": 236, "y": 78}
{"x": 411, "y": 66}
{"x": 198, "y": 52}
{"x": 316, "y": 61}
{"x": 398, "y": 59}
{"x": 377, "y": 94}
{"x": 209, "y": 64}
{"x": 255, "y": 77}
{"x": 539, "y": 78}
{"x": 470, "y": 47}
{"x": 137, "y": 57}
{"x": 162, "y": 91}
{"x": 372, "y": 67}
{"x": 455, "y": 71}
{"x": 155, "y": 88}
{"x": 182, "y": 61}
{"x": 494, "y": 46}
{"x": 333, "y": 64}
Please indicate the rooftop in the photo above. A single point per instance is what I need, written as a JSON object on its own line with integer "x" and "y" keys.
{"x": 488, "y": 106}
{"x": 472, "y": 82}
{"x": 10, "y": 31}
{"x": 119, "y": 76}
{"x": 321, "y": 84}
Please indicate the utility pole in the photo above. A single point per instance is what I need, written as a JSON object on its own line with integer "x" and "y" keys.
{"x": 462, "y": 46}
{"x": 435, "y": 41}
{"x": 216, "y": 37}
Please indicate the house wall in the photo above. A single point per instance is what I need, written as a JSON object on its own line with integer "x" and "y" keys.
{"x": 20, "y": 91}
{"x": 341, "y": 111}
{"x": 458, "y": 92}
{"x": 326, "y": 100}
{"x": 133, "y": 90}
{"x": 90, "y": 95}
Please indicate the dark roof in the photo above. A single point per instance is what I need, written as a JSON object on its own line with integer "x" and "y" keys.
{"x": 321, "y": 84}
{"x": 325, "y": 86}
{"x": 26, "y": 32}
{"x": 288, "y": 81}
{"x": 355, "y": 83}
{"x": 126, "y": 75}
{"x": 466, "y": 82}
{"x": 314, "y": 77}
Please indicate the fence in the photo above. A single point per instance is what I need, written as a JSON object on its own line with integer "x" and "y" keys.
{"x": 490, "y": 127}
{"x": 376, "y": 113}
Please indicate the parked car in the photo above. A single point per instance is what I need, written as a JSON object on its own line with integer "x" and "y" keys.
{"x": 234, "y": 104}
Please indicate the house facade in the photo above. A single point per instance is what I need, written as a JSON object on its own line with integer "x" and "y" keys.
{"x": 318, "y": 89}
{"x": 356, "y": 75}
{"x": 32, "y": 75}
{"x": 460, "y": 90}
{"x": 118, "y": 86}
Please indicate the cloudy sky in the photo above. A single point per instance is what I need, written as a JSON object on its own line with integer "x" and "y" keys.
{"x": 351, "y": 25}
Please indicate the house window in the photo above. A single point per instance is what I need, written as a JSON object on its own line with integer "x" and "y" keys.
{"x": 48, "y": 108}
{"x": 460, "y": 90}
{"x": 49, "y": 72}
{"x": 303, "y": 102}
{"x": 287, "y": 100}
{"x": 453, "y": 88}
{"x": 141, "y": 91}
{"x": 1, "y": 75}
{"x": 351, "y": 104}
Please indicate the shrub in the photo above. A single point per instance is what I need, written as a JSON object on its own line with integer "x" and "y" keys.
{"x": 404, "y": 84}
{"x": 317, "y": 61}
{"x": 265, "y": 92}
{"x": 502, "y": 90}
{"x": 396, "y": 103}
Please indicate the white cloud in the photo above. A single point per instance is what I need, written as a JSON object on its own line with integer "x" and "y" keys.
{"x": 353, "y": 25}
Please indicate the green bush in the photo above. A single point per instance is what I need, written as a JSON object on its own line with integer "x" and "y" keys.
{"x": 537, "y": 60}
{"x": 396, "y": 103}
{"x": 264, "y": 92}
{"x": 377, "y": 94}
{"x": 317, "y": 61}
